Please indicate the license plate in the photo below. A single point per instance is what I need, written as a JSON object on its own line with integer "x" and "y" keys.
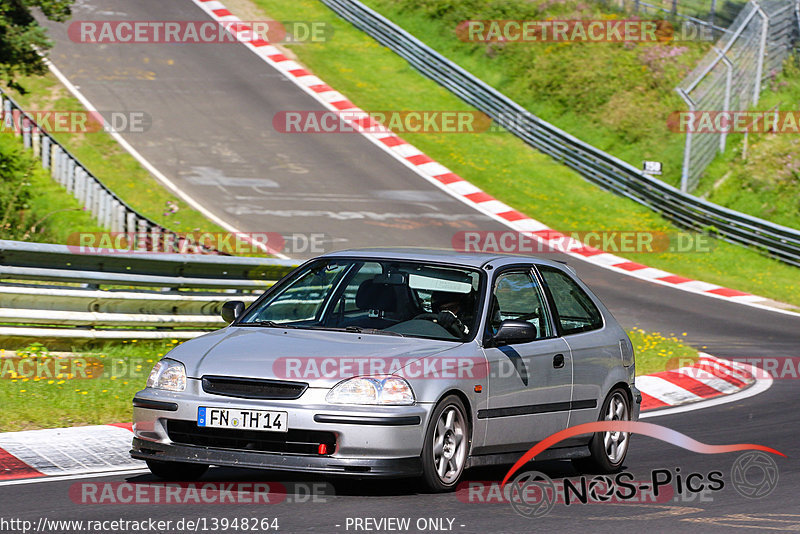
{"x": 266, "y": 420}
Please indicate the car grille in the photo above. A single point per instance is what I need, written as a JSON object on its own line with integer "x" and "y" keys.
{"x": 253, "y": 388}
{"x": 291, "y": 442}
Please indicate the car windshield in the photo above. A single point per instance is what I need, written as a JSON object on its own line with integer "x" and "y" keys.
{"x": 375, "y": 296}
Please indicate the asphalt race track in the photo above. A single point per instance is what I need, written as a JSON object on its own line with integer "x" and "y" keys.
{"x": 212, "y": 108}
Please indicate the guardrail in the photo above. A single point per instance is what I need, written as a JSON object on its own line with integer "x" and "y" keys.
{"x": 79, "y": 297}
{"x": 108, "y": 209}
{"x": 593, "y": 164}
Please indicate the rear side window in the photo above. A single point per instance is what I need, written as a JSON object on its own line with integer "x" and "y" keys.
{"x": 575, "y": 311}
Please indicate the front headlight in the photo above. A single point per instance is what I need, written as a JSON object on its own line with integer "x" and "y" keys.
{"x": 389, "y": 390}
{"x": 168, "y": 374}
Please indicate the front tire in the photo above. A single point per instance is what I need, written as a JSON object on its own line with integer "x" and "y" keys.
{"x": 446, "y": 446}
{"x": 176, "y": 471}
{"x": 608, "y": 449}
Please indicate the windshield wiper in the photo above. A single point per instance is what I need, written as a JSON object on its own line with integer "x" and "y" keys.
{"x": 353, "y": 328}
{"x": 362, "y": 330}
{"x": 270, "y": 324}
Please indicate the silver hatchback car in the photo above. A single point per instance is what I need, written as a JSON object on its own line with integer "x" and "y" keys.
{"x": 395, "y": 362}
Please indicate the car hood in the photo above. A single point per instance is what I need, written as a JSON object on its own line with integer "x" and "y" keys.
{"x": 318, "y": 358}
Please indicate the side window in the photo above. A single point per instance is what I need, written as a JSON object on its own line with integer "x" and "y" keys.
{"x": 516, "y": 295}
{"x": 576, "y": 311}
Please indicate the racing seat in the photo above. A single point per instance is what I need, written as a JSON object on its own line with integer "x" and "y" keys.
{"x": 379, "y": 300}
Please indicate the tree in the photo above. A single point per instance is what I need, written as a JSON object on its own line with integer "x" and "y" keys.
{"x": 22, "y": 39}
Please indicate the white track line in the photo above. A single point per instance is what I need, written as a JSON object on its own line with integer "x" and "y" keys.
{"x": 154, "y": 171}
{"x": 458, "y": 189}
{"x": 304, "y": 81}
{"x": 74, "y": 477}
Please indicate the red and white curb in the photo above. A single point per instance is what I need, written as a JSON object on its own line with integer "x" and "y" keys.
{"x": 707, "y": 378}
{"x": 64, "y": 452}
{"x": 78, "y": 452}
{"x": 449, "y": 181}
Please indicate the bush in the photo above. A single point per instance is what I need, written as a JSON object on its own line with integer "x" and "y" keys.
{"x": 15, "y": 187}
{"x": 33, "y": 207}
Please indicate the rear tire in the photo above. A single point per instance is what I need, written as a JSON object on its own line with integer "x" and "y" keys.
{"x": 446, "y": 446}
{"x": 608, "y": 449}
{"x": 176, "y": 471}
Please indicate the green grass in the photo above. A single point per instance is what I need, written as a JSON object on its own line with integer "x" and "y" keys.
{"x": 614, "y": 96}
{"x": 49, "y": 402}
{"x": 617, "y": 97}
{"x": 376, "y": 79}
{"x": 656, "y": 352}
{"x": 115, "y": 372}
{"x": 109, "y": 162}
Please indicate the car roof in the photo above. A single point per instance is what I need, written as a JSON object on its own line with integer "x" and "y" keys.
{"x": 438, "y": 255}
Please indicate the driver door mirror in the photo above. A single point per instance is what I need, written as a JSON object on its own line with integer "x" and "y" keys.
{"x": 513, "y": 331}
{"x": 231, "y": 310}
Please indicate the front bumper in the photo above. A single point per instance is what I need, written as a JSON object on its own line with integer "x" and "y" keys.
{"x": 369, "y": 440}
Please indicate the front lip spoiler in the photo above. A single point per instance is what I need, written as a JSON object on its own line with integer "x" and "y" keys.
{"x": 381, "y": 467}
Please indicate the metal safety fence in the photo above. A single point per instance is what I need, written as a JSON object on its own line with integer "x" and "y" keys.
{"x": 715, "y": 15}
{"x": 593, "y": 164}
{"x": 52, "y": 292}
{"x": 731, "y": 76}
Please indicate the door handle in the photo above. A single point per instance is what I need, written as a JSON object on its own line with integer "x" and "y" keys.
{"x": 558, "y": 361}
